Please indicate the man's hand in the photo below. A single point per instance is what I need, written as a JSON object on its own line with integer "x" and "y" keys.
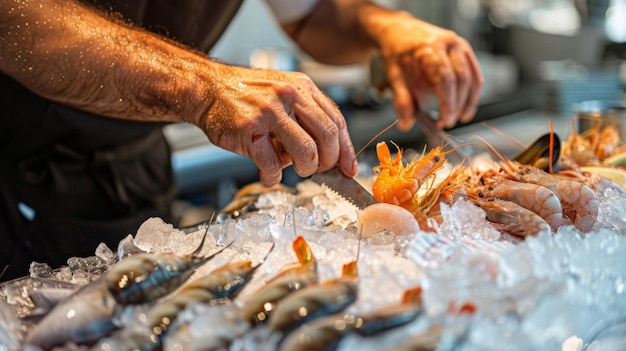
{"x": 68, "y": 53}
{"x": 422, "y": 60}
{"x": 278, "y": 119}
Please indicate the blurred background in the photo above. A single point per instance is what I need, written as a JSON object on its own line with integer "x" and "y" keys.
{"x": 539, "y": 59}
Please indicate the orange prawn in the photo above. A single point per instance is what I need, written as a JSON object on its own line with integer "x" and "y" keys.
{"x": 396, "y": 183}
{"x": 428, "y": 205}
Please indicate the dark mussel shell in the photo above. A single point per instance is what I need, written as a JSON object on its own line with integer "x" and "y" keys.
{"x": 538, "y": 153}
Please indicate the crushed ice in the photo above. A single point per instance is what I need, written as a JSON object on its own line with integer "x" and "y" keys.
{"x": 548, "y": 292}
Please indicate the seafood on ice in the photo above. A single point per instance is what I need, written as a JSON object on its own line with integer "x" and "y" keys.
{"x": 438, "y": 268}
{"x": 557, "y": 197}
{"x": 89, "y": 313}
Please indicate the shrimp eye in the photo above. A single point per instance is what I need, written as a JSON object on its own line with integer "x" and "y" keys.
{"x": 490, "y": 188}
{"x": 437, "y": 158}
{"x": 481, "y": 195}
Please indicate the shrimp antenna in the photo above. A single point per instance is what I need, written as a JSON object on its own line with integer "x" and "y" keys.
{"x": 4, "y": 270}
{"x": 293, "y": 217}
{"x": 196, "y": 252}
{"x": 359, "y": 236}
{"x": 493, "y": 149}
{"x": 510, "y": 137}
{"x": 376, "y": 136}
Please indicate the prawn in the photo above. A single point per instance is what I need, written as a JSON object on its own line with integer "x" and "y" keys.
{"x": 392, "y": 316}
{"x": 244, "y": 201}
{"x": 316, "y": 300}
{"x": 87, "y": 314}
{"x": 222, "y": 283}
{"x": 602, "y": 139}
{"x": 536, "y": 198}
{"x": 145, "y": 277}
{"x": 579, "y": 148}
{"x": 427, "y": 206}
{"x": 327, "y": 332}
{"x": 383, "y": 216}
{"x": 396, "y": 183}
{"x": 258, "y": 308}
{"x": 511, "y": 218}
{"x": 511, "y": 184}
{"x": 579, "y": 202}
{"x": 321, "y": 334}
{"x": 607, "y": 143}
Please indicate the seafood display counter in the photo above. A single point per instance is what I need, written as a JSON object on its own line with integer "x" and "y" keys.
{"x": 490, "y": 254}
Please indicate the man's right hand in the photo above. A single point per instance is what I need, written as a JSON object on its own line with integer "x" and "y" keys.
{"x": 277, "y": 119}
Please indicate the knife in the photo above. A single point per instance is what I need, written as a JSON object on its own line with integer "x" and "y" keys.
{"x": 349, "y": 188}
{"x": 435, "y": 137}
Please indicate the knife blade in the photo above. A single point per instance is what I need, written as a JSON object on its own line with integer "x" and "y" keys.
{"x": 436, "y": 137}
{"x": 349, "y": 188}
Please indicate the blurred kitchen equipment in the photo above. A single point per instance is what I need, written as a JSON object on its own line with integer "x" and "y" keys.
{"x": 338, "y": 82}
{"x": 594, "y": 113}
{"x": 531, "y": 47}
{"x": 566, "y": 83}
{"x": 273, "y": 58}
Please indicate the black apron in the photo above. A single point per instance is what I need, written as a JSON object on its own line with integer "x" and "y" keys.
{"x": 69, "y": 179}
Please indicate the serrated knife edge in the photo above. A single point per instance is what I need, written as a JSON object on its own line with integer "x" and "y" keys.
{"x": 348, "y": 188}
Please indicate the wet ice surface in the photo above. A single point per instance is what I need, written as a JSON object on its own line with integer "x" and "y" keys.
{"x": 563, "y": 291}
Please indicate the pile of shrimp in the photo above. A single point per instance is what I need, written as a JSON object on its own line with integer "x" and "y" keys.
{"x": 595, "y": 145}
{"x": 519, "y": 200}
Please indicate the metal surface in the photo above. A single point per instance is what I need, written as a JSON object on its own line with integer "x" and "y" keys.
{"x": 348, "y": 188}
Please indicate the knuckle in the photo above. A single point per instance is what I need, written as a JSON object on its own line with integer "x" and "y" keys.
{"x": 272, "y": 170}
{"x": 287, "y": 89}
{"x": 463, "y": 78}
{"x": 447, "y": 77}
{"x": 331, "y": 132}
{"x": 305, "y": 150}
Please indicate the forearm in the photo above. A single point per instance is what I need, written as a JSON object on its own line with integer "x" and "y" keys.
{"x": 70, "y": 54}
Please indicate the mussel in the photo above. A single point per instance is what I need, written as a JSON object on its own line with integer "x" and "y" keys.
{"x": 538, "y": 153}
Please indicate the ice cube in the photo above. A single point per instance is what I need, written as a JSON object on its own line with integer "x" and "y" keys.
{"x": 429, "y": 250}
{"x": 91, "y": 264}
{"x": 612, "y": 211}
{"x": 106, "y": 254}
{"x": 464, "y": 219}
{"x": 154, "y": 235}
{"x": 127, "y": 247}
{"x": 40, "y": 270}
